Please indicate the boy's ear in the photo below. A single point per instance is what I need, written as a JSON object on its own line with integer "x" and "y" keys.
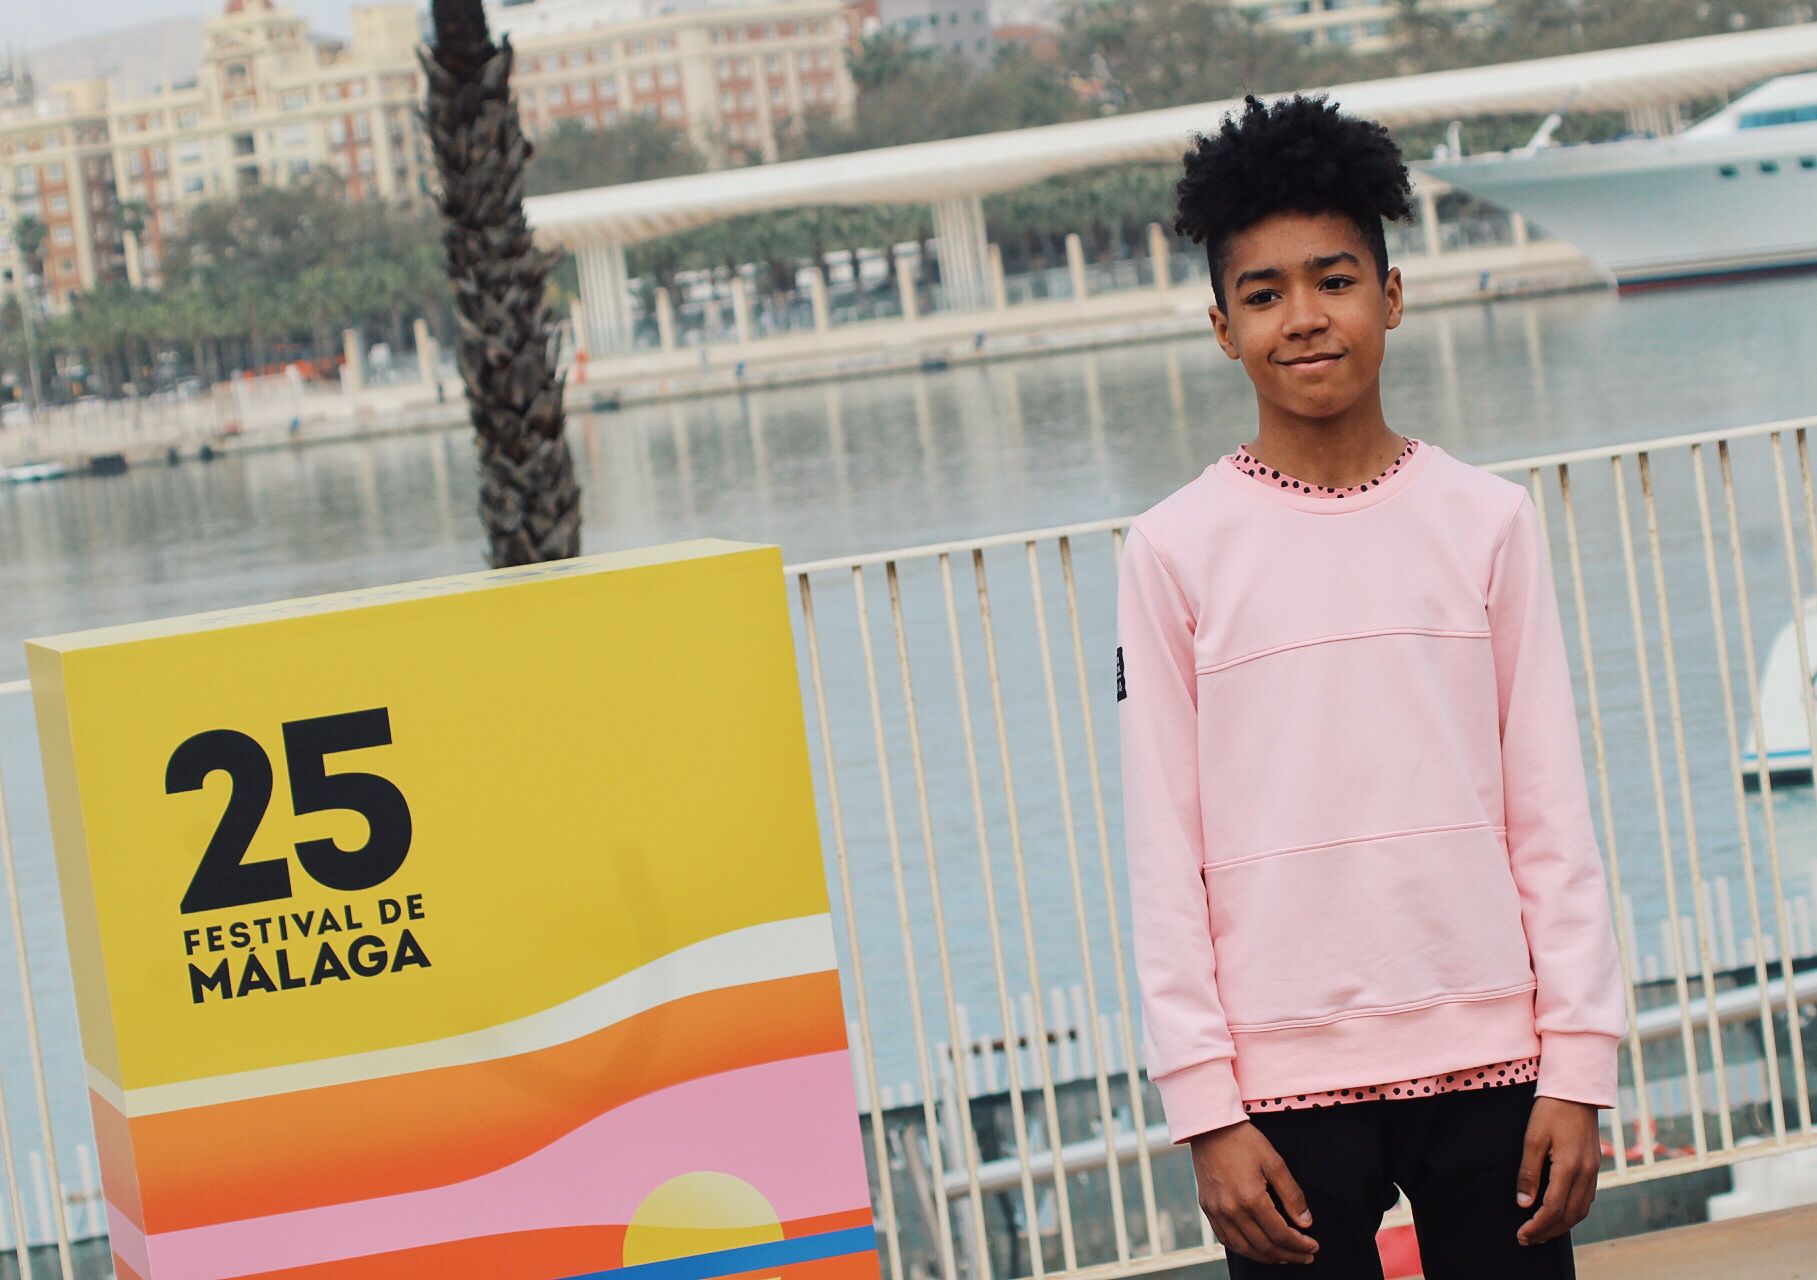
{"x": 1391, "y": 287}
{"x": 1220, "y": 329}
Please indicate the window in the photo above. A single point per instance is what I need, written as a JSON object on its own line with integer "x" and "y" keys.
{"x": 527, "y": 98}
{"x": 53, "y": 172}
{"x": 1780, "y": 115}
{"x": 722, "y": 67}
{"x": 637, "y": 48}
{"x": 295, "y": 99}
{"x": 744, "y": 66}
{"x": 606, "y": 86}
{"x": 822, "y": 58}
{"x": 366, "y": 165}
{"x": 235, "y": 72}
{"x": 603, "y": 53}
{"x": 665, "y": 75}
{"x": 297, "y": 135}
{"x": 640, "y": 79}
{"x": 1340, "y": 35}
{"x": 647, "y": 111}
{"x": 671, "y": 107}
{"x": 243, "y": 107}
{"x": 665, "y": 42}
{"x": 581, "y": 92}
{"x": 558, "y": 95}
{"x": 769, "y": 31}
{"x": 1727, "y": 170}
{"x": 190, "y": 153}
{"x": 135, "y": 167}
{"x": 933, "y": 19}
{"x": 357, "y": 89}
{"x": 194, "y": 184}
{"x": 337, "y": 131}
{"x": 1766, "y": 166}
{"x": 728, "y": 101}
{"x": 299, "y": 166}
{"x": 64, "y": 234}
{"x": 747, "y": 98}
{"x": 611, "y": 116}
{"x": 804, "y": 58}
{"x": 243, "y": 144}
{"x": 362, "y": 127}
{"x": 773, "y": 62}
{"x": 160, "y": 160}
{"x": 59, "y": 204}
{"x": 190, "y": 118}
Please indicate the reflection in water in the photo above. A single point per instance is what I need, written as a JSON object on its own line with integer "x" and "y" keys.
{"x": 888, "y": 461}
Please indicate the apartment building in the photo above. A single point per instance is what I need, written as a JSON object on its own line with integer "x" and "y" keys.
{"x": 737, "y": 73}
{"x": 272, "y": 103}
{"x": 1363, "y": 25}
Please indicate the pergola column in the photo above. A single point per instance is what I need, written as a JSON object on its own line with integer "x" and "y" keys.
{"x": 605, "y": 298}
{"x": 964, "y": 252}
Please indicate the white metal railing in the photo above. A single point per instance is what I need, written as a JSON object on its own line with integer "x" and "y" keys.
{"x": 955, "y": 696}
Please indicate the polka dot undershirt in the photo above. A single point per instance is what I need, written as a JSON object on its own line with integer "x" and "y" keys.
{"x": 1273, "y": 476}
{"x": 1510, "y": 1072}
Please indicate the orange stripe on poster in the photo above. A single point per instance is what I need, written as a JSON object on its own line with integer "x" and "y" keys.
{"x": 558, "y": 1255}
{"x": 119, "y": 1176}
{"x": 124, "y": 1272}
{"x": 432, "y": 1128}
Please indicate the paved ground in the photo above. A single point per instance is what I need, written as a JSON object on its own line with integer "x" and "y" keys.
{"x": 1766, "y": 1246}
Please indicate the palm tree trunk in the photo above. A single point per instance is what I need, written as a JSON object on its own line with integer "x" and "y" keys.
{"x": 529, "y": 497}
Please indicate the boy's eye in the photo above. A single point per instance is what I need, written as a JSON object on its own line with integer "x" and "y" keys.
{"x": 1262, "y": 295}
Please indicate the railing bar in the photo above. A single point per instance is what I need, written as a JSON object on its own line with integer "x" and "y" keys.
{"x": 1623, "y": 939}
{"x": 34, "y": 1047}
{"x": 1019, "y": 1121}
{"x": 936, "y": 897}
{"x": 1699, "y": 912}
{"x": 1038, "y": 1020}
{"x": 1113, "y": 909}
{"x": 880, "y": 1152}
{"x": 1786, "y": 945}
{"x": 893, "y": 842}
{"x": 1768, "y": 1031}
{"x": 1107, "y": 1117}
{"x": 1693, "y": 1081}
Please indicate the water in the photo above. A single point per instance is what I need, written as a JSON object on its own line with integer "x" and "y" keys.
{"x": 827, "y": 470}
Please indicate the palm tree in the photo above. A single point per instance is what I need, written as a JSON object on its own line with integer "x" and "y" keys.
{"x": 529, "y": 498}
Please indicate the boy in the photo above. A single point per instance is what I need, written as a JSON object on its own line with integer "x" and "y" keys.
{"x": 1372, "y": 936}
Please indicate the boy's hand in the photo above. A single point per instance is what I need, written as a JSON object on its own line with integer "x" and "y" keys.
{"x": 1236, "y": 1166}
{"x": 1565, "y": 1134}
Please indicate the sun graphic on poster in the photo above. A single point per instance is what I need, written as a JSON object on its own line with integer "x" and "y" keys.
{"x": 699, "y": 1213}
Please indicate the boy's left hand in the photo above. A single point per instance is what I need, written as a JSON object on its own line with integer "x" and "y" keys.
{"x": 1565, "y": 1135}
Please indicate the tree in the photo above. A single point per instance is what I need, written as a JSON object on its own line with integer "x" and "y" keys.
{"x": 529, "y": 497}
{"x": 572, "y": 158}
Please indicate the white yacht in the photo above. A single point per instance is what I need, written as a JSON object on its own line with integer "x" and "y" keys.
{"x": 1733, "y": 195}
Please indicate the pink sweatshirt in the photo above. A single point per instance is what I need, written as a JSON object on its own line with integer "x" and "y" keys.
{"x": 1358, "y": 833}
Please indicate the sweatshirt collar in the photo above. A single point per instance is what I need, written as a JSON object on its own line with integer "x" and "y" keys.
{"x": 1381, "y": 491}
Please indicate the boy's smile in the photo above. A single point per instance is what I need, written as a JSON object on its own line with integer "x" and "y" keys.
{"x": 1308, "y": 318}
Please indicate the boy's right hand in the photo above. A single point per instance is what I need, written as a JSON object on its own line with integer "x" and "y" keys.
{"x": 1236, "y": 1166}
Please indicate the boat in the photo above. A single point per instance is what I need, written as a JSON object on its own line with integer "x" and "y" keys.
{"x": 30, "y": 472}
{"x": 1730, "y": 197}
{"x": 1782, "y": 726}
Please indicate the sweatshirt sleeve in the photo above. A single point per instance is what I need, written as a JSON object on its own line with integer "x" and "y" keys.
{"x": 1579, "y": 1005}
{"x": 1186, "y": 1045}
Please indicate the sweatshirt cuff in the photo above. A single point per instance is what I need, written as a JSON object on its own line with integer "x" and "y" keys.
{"x": 1200, "y": 1098}
{"x": 1579, "y": 1066}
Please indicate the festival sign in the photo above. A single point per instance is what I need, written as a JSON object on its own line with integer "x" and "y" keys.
{"x": 468, "y": 927}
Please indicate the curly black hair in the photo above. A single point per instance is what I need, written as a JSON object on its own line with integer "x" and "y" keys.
{"x": 1301, "y": 154}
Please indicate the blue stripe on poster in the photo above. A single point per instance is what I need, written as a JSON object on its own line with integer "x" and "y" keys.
{"x": 750, "y": 1257}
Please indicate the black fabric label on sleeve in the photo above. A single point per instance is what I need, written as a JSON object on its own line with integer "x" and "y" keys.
{"x": 1122, "y": 692}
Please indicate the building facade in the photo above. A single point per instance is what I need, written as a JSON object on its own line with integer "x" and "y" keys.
{"x": 271, "y": 104}
{"x": 1366, "y": 26}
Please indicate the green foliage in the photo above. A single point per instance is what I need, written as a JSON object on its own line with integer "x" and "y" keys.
{"x": 572, "y": 158}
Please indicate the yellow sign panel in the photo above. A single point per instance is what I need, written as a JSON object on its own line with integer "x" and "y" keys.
{"x": 475, "y": 926}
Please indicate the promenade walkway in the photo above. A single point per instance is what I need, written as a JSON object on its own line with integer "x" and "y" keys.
{"x": 1781, "y": 1245}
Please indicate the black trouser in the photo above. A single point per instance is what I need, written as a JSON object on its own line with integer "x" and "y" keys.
{"x": 1456, "y": 1155}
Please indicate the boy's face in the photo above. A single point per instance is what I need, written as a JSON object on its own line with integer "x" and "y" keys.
{"x": 1301, "y": 284}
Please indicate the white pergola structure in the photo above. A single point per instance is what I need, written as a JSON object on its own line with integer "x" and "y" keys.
{"x": 955, "y": 173}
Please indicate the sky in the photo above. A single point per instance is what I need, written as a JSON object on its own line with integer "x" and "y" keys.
{"x": 33, "y": 23}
